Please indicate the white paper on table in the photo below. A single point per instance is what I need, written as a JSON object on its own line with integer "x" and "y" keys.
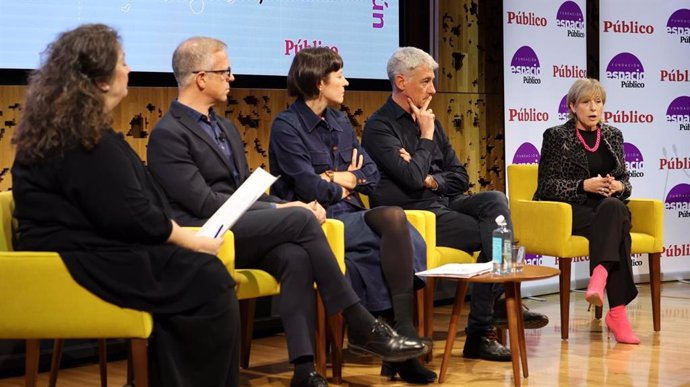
{"x": 458, "y": 270}
{"x": 237, "y": 204}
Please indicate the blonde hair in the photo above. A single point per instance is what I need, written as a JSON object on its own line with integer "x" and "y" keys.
{"x": 582, "y": 89}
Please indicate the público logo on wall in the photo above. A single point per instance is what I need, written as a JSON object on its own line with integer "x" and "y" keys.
{"x": 626, "y": 68}
{"x": 525, "y": 63}
{"x": 678, "y": 201}
{"x": 526, "y": 153}
{"x": 678, "y": 24}
{"x": 678, "y": 111}
{"x": 563, "y": 109}
{"x": 569, "y": 16}
{"x": 634, "y": 162}
{"x": 526, "y": 19}
{"x": 628, "y": 117}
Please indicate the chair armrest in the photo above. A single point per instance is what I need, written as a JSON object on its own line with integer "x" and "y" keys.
{"x": 543, "y": 227}
{"x": 425, "y": 223}
{"x": 226, "y": 254}
{"x": 335, "y": 234}
{"x": 648, "y": 218}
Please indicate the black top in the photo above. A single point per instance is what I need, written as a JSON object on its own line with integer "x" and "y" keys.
{"x": 103, "y": 214}
{"x": 402, "y": 183}
{"x": 600, "y": 162}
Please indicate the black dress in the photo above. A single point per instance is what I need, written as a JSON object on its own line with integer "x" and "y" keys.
{"x": 103, "y": 214}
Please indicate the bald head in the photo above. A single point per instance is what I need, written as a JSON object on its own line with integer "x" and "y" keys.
{"x": 194, "y": 54}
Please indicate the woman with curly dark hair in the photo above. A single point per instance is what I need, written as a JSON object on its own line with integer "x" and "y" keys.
{"x": 81, "y": 190}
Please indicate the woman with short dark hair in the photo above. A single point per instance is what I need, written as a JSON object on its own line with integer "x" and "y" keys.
{"x": 80, "y": 189}
{"x": 315, "y": 150}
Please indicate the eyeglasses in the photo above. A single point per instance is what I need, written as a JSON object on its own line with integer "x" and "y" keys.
{"x": 224, "y": 73}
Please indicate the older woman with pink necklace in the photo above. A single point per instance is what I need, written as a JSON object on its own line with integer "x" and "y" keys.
{"x": 582, "y": 163}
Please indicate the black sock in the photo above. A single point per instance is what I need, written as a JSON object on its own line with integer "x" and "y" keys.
{"x": 358, "y": 319}
{"x": 403, "y": 309}
{"x": 304, "y": 365}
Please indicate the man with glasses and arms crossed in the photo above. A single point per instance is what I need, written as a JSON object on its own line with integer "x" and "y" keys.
{"x": 198, "y": 159}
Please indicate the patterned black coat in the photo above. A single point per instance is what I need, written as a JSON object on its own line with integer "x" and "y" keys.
{"x": 563, "y": 163}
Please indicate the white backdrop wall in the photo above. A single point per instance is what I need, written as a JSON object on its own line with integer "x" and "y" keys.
{"x": 645, "y": 68}
{"x": 544, "y": 51}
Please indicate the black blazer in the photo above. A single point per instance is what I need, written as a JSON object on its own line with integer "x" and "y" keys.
{"x": 563, "y": 163}
{"x": 189, "y": 166}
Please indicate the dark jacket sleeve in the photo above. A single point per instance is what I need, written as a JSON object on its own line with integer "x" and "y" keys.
{"x": 109, "y": 190}
{"x": 383, "y": 144}
{"x": 367, "y": 176}
{"x": 452, "y": 179}
{"x": 171, "y": 163}
{"x": 294, "y": 160}
{"x": 554, "y": 181}
{"x": 620, "y": 173}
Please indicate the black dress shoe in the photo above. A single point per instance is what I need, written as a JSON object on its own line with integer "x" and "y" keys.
{"x": 382, "y": 341}
{"x": 410, "y": 371}
{"x": 313, "y": 380}
{"x": 531, "y": 320}
{"x": 485, "y": 346}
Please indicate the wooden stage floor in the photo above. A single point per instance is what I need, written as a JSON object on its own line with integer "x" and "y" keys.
{"x": 587, "y": 358}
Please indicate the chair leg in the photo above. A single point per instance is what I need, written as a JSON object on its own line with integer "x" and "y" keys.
{"x": 130, "y": 368}
{"x": 247, "y": 310}
{"x": 655, "y": 285}
{"x": 33, "y": 350}
{"x": 320, "y": 350}
{"x": 103, "y": 362}
{"x": 140, "y": 362}
{"x": 564, "y": 284}
{"x": 336, "y": 324}
{"x": 55, "y": 362}
{"x": 420, "y": 319}
{"x": 429, "y": 312}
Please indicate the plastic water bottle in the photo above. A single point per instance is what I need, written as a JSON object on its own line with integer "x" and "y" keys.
{"x": 502, "y": 247}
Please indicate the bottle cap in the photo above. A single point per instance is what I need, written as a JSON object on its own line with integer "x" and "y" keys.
{"x": 501, "y": 220}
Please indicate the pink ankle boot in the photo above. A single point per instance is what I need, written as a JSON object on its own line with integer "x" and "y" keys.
{"x": 618, "y": 324}
{"x": 596, "y": 286}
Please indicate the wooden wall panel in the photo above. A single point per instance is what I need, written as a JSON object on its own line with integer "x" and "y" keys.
{"x": 11, "y": 100}
{"x": 471, "y": 87}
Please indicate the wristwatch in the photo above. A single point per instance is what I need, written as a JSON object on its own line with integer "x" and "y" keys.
{"x": 330, "y": 174}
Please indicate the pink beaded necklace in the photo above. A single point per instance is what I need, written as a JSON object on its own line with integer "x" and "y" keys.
{"x": 596, "y": 143}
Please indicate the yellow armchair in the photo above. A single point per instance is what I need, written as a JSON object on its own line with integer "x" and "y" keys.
{"x": 545, "y": 227}
{"x": 39, "y": 300}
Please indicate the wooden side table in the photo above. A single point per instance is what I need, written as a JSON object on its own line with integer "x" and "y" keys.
{"x": 511, "y": 283}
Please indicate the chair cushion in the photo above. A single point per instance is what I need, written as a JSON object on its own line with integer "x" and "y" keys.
{"x": 55, "y": 306}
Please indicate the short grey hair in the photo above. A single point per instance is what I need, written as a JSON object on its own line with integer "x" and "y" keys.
{"x": 582, "y": 89}
{"x": 194, "y": 54}
{"x": 405, "y": 60}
